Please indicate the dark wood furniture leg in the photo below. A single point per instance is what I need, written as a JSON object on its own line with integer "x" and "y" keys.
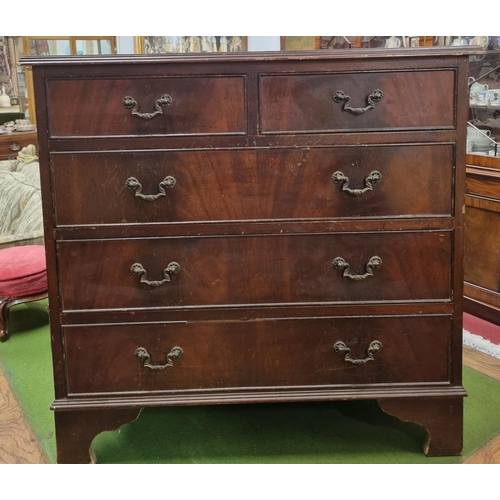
{"x": 76, "y": 429}
{"x": 441, "y": 417}
{"x": 4, "y": 319}
{"x": 6, "y": 304}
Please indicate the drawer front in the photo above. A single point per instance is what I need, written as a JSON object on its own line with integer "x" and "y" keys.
{"x": 215, "y": 271}
{"x": 372, "y": 181}
{"x": 199, "y": 106}
{"x": 215, "y": 355}
{"x": 482, "y": 244}
{"x": 10, "y": 145}
{"x": 304, "y": 103}
{"x": 483, "y": 185}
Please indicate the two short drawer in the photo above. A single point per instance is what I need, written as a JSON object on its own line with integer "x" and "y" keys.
{"x": 252, "y": 354}
{"x": 217, "y": 104}
{"x": 260, "y": 269}
{"x": 265, "y": 184}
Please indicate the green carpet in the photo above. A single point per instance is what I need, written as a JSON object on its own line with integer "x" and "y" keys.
{"x": 314, "y": 433}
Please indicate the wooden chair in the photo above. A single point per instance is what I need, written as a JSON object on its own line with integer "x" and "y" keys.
{"x": 23, "y": 278}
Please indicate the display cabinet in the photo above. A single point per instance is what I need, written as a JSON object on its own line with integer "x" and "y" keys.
{"x": 482, "y": 202}
{"x": 13, "y": 81}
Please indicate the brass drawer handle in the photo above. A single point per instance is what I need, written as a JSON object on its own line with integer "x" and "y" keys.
{"x": 138, "y": 270}
{"x": 14, "y": 146}
{"x": 374, "y": 178}
{"x": 340, "y": 263}
{"x": 143, "y": 355}
{"x": 373, "y": 98}
{"x": 130, "y": 103}
{"x": 373, "y": 348}
{"x": 167, "y": 183}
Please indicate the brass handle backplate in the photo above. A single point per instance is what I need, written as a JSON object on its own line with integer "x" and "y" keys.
{"x": 340, "y": 263}
{"x": 374, "y": 178}
{"x": 372, "y": 99}
{"x": 373, "y": 348}
{"x": 143, "y": 355}
{"x": 167, "y": 183}
{"x": 138, "y": 270}
{"x": 130, "y": 103}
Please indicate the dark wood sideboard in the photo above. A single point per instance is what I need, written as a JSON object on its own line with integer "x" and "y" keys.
{"x": 11, "y": 144}
{"x": 482, "y": 238}
{"x": 254, "y": 228}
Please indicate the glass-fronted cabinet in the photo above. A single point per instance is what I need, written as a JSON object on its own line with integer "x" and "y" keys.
{"x": 482, "y": 211}
{"x": 14, "y": 93}
{"x": 483, "y": 137}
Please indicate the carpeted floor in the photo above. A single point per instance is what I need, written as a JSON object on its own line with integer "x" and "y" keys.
{"x": 339, "y": 432}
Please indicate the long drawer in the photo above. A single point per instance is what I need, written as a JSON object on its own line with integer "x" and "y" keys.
{"x": 112, "y": 107}
{"x": 180, "y": 186}
{"x": 299, "y": 352}
{"x": 272, "y": 269}
{"x": 390, "y": 100}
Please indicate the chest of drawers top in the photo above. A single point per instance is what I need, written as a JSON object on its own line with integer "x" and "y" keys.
{"x": 246, "y": 95}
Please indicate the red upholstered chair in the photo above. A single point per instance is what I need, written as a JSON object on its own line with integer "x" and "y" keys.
{"x": 23, "y": 278}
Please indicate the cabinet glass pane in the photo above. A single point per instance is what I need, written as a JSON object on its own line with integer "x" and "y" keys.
{"x": 93, "y": 47}
{"x": 40, "y": 47}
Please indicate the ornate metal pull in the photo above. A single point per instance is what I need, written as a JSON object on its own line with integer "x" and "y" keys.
{"x": 142, "y": 355}
{"x": 374, "y": 178}
{"x": 167, "y": 183}
{"x": 14, "y": 146}
{"x": 373, "y": 98}
{"x": 373, "y": 348}
{"x": 130, "y": 103}
{"x": 340, "y": 263}
{"x": 172, "y": 268}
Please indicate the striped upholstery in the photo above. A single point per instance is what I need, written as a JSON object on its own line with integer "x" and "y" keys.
{"x": 20, "y": 203}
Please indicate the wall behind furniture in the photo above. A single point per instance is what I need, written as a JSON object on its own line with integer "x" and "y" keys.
{"x": 125, "y": 44}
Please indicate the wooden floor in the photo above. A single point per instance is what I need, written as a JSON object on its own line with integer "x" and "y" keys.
{"x": 18, "y": 445}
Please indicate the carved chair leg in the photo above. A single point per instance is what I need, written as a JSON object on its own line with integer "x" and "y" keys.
{"x": 6, "y": 304}
{"x": 441, "y": 417}
{"x": 76, "y": 429}
{"x": 4, "y": 319}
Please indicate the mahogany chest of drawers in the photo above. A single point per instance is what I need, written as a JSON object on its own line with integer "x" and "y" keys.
{"x": 254, "y": 228}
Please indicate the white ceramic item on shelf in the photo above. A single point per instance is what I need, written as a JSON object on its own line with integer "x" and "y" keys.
{"x": 4, "y": 99}
{"x": 481, "y": 98}
{"x": 476, "y": 86}
{"x": 482, "y": 41}
{"x": 393, "y": 42}
{"x": 25, "y": 128}
{"x": 481, "y": 139}
{"x": 459, "y": 41}
{"x": 473, "y": 132}
{"x": 494, "y": 97}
